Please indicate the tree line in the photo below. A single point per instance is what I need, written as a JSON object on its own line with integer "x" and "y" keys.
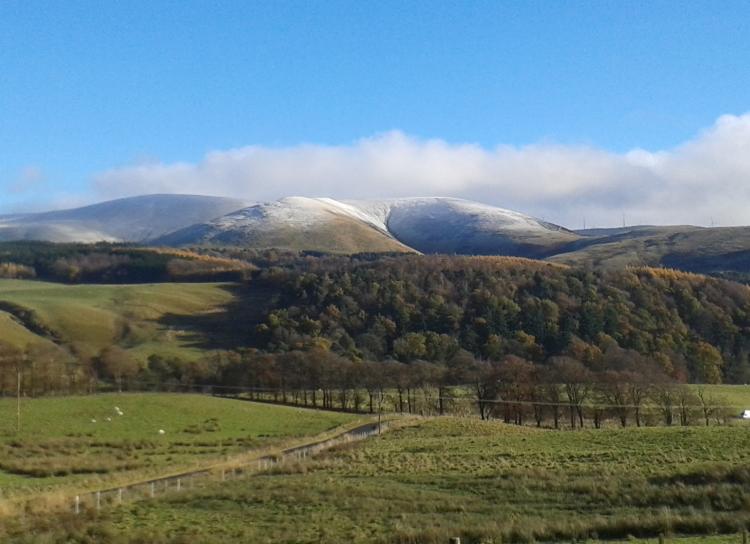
{"x": 114, "y": 263}
{"x": 561, "y": 392}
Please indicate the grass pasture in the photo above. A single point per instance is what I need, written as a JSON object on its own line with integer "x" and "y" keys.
{"x": 736, "y": 396}
{"x": 60, "y": 445}
{"x": 484, "y": 481}
{"x": 96, "y": 316}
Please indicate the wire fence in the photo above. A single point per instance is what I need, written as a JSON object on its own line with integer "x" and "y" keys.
{"x": 233, "y": 470}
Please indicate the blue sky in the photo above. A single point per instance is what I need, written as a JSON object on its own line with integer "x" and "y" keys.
{"x": 87, "y": 87}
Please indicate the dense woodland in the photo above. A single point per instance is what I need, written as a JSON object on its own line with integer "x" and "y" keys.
{"x": 689, "y": 327}
{"x": 524, "y": 340}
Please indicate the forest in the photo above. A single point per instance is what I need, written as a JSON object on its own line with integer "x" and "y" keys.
{"x": 523, "y": 340}
{"x": 418, "y": 308}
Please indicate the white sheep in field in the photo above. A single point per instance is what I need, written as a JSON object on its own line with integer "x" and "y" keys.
{"x": 93, "y": 420}
{"x": 162, "y": 431}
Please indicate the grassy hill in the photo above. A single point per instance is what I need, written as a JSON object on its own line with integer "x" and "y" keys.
{"x": 482, "y": 481}
{"x": 694, "y": 249}
{"x": 95, "y": 316}
{"x": 341, "y": 235}
{"x": 83, "y": 441}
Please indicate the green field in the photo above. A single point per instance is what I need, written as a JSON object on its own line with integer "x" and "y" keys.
{"x": 95, "y": 316}
{"x": 483, "y": 481}
{"x": 59, "y": 444}
{"x": 737, "y": 396}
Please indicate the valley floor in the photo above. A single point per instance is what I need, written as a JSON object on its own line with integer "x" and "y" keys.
{"x": 483, "y": 481}
{"x": 88, "y": 442}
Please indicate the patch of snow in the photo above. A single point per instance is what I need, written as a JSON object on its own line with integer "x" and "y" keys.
{"x": 307, "y": 212}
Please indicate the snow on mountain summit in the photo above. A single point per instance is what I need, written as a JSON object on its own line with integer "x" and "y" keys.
{"x": 486, "y": 217}
{"x": 424, "y": 224}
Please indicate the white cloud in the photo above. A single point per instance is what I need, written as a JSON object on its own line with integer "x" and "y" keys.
{"x": 706, "y": 177}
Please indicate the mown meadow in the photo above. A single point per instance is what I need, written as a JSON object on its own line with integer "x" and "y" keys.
{"x": 483, "y": 481}
{"x": 83, "y": 442}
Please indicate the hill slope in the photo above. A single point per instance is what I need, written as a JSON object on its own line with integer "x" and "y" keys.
{"x": 723, "y": 250}
{"x": 95, "y": 316}
{"x": 452, "y": 225}
{"x": 428, "y": 225}
{"x": 404, "y": 225}
{"x": 128, "y": 219}
{"x": 297, "y": 223}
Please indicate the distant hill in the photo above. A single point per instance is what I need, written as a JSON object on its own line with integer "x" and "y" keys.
{"x": 426, "y": 225}
{"x": 718, "y": 250}
{"x": 452, "y": 225}
{"x": 297, "y": 223}
{"x": 127, "y": 219}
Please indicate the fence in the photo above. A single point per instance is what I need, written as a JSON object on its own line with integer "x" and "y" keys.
{"x": 230, "y": 471}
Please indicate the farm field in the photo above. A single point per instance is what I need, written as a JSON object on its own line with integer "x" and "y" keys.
{"x": 96, "y": 316}
{"x": 82, "y": 441}
{"x": 483, "y": 481}
{"x": 737, "y": 396}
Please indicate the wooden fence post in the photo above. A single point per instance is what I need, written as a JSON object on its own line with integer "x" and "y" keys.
{"x": 119, "y": 496}
{"x": 78, "y": 504}
{"x": 152, "y": 490}
{"x": 98, "y": 500}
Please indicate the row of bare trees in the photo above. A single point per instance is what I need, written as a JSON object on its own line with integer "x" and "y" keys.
{"x": 46, "y": 369}
{"x": 560, "y": 392}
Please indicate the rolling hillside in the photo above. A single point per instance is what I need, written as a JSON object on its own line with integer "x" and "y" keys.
{"x": 92, "y": 317}
{"x": 127, "y": 219}
{"x": 426, "y": 225}
{"x": 294, "y": 223}
{"x": 723, "y": 250}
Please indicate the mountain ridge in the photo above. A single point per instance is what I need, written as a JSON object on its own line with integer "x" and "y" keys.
{"x": 421, "y": 224}
{"x": 426, "y": 225}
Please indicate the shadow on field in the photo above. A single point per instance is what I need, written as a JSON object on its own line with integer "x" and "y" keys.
{"x": 229, "y": 327}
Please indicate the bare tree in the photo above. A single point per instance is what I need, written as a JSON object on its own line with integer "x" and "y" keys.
{"x": 118, "y": 364}
{"x": 707, "y": 402}
{"x": 576, "y": 381}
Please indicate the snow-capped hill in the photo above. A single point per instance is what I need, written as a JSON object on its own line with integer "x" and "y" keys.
{"x": 430, "y": 225}
{"x": 489, "y": 217}
{"x": 427, "y": 225}
{"x": 127, "y": 219}
{"x": 452, "y": 225}
{"x": 295, "y": 211}
{"x": 298, "y": 223}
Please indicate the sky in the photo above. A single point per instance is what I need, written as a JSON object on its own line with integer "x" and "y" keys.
{"x": 565, "y": 110}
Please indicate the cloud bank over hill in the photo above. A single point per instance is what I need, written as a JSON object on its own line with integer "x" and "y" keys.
{"x": 704, "y": 179}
